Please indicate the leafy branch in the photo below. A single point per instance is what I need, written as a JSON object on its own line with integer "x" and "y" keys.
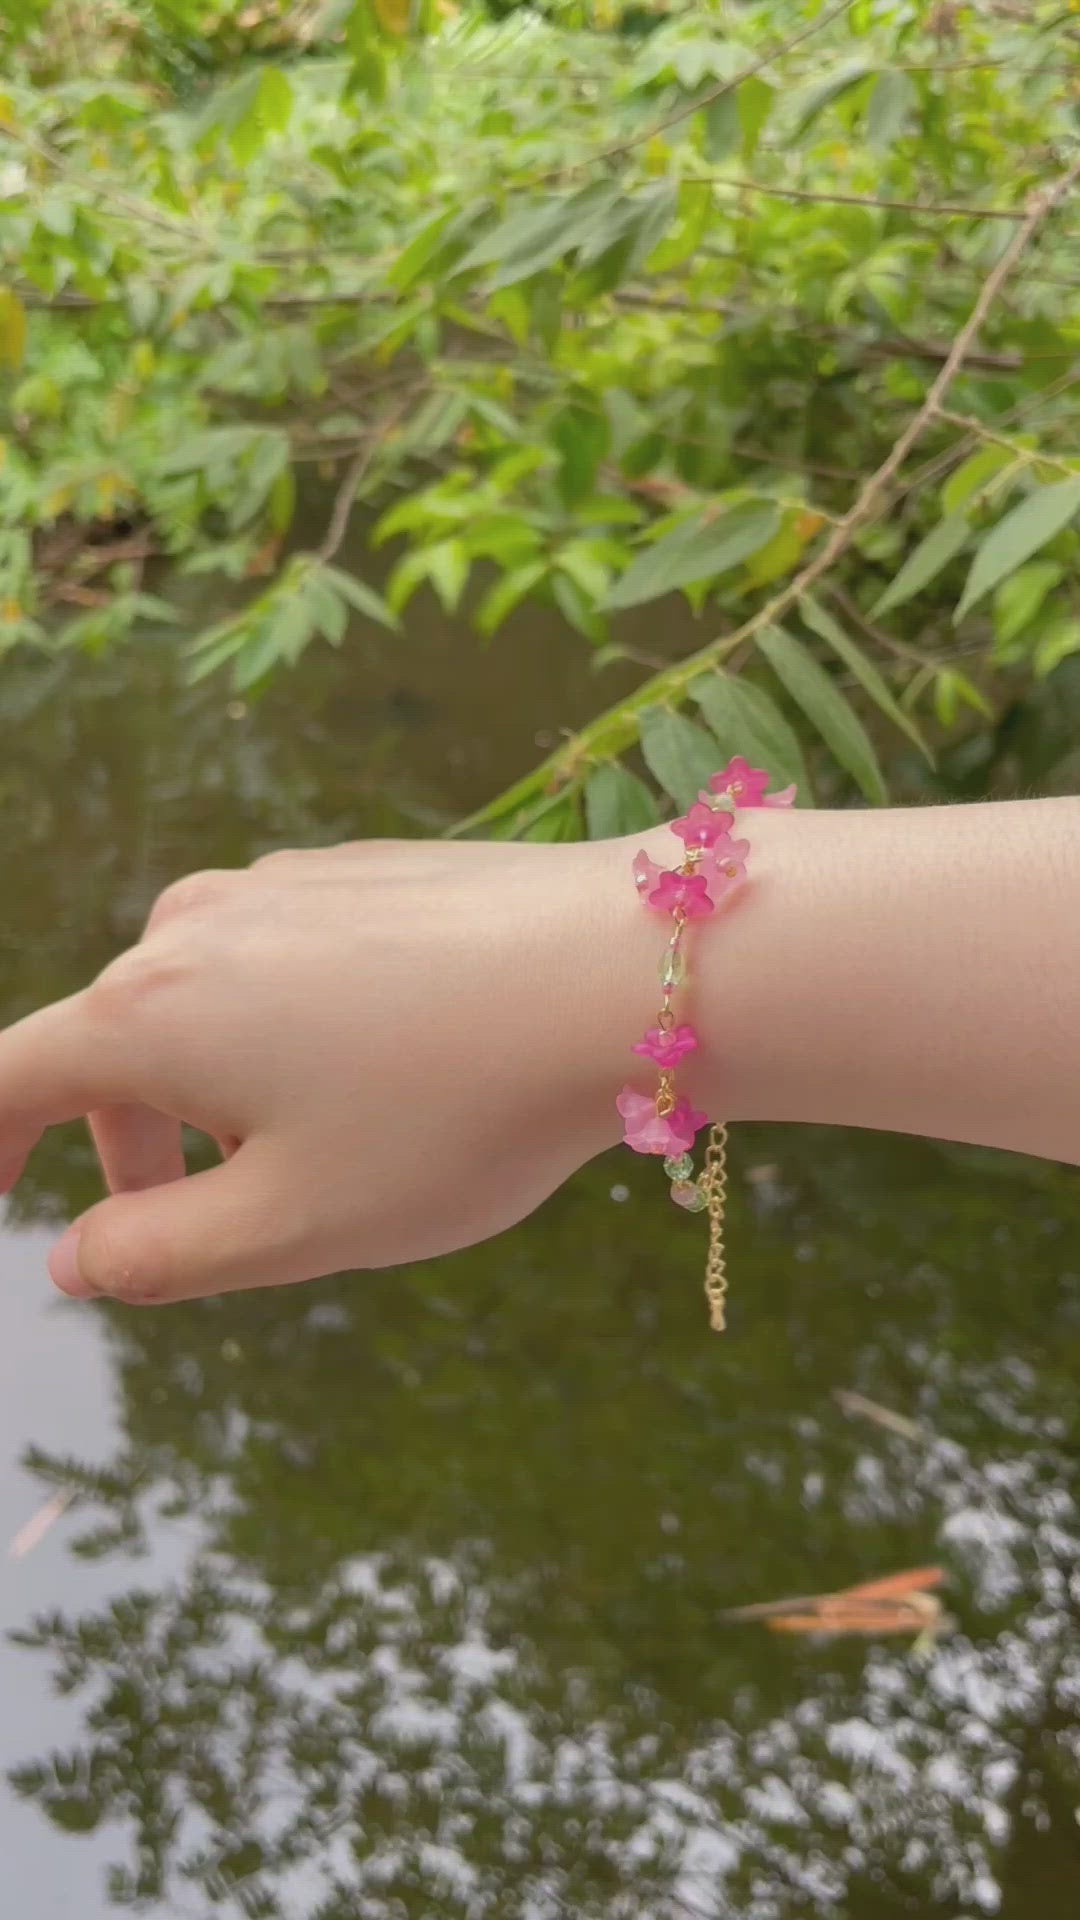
{"x": 701, "y": 101}
{"x": 613, "y": 732}
{"x": 658, "y": 354}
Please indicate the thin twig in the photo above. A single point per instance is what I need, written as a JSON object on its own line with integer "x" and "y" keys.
{"x": 790, "y": 461}
{"x": 345, "y": 498}
{"x": 888, "y": 642}
{"x": 355, "y": 474}
{"x": 943, "y": 210}
{"x": 1029, "y": 454}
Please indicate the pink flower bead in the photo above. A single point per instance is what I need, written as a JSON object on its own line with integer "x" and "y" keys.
{"x": 703, "y": 826}
{"x": 649, "y": 1132}
{"x": 745, "y": 786}
{"x": 725, "y": 866}
{"x": 646, "y": 874}
{"x": 667, "y": 1048}
{"x": 685, "y": 893}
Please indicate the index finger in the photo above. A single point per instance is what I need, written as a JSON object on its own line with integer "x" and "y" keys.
{"x": 56, "y": 1065}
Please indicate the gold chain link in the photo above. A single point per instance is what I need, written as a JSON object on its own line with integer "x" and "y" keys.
{"x": 714, "y": 1184}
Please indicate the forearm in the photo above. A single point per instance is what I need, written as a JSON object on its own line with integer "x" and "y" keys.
{"x": 404, "y": 1048}
{"x": 913, "y": 970}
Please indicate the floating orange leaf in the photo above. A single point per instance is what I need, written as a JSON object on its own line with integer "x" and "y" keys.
{"x": 896, "y": 1603}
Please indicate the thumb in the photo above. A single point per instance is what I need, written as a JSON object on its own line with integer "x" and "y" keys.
{"x": 213, "y": 1232}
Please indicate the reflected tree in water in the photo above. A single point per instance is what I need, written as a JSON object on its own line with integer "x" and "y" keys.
{"x": 448, "y": 1642}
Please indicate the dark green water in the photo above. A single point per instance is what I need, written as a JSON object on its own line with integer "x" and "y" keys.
{"x": 397, "y": 1598}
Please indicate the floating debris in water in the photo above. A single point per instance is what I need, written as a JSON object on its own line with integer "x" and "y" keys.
{"x": 858, "y": 1405}
{"x": 33, "y": 1533}
{"x": 898, "y": 1603}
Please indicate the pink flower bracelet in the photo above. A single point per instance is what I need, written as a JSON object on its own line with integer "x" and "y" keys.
{"x": 665, "y": 1122}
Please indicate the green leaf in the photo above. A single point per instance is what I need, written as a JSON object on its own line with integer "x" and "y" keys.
{"x": 280, "y": 634}
{"x": 893, "y": 99}
{"x": 448, "y": 570}
{"x": 825, "y": 706}
{"x": 536, "y": 235}
{"x": 755, "y": 97}
{"x": 821, "y": 622}
{"x": 1022, "y": 532}
{"x": 588, "y": 562}
{"x": 506, "y": 594}
{"x": 941, "y": 545}
{"x": 362, "y": 597}
{"x": 657, "y": 210}
{"x": 811, "y": 100}
{"x": 1019, "y": 598}
{"x": 1061, "y": 638}
{"x": 560, "y": 822}
{"x": 329, "y": 613}
{"x": 696, "y": 550}
{"x": 746, "y": 720}
{"x": 258, "y": 104}
{"x": 953, "y": 690}
{"x": 281, "y": 500}
{"x": 576, "y": 607}
{"x": 723, "y": 126}
{"x": 973, "y": 474}
{"x": 409, "y": 574}
{"x": 581, "y": 436}
{"x": 274, "y": 100}
{"x": 617, "y": 802}
{"x": 679, "y": 755}
{"x": 219, "y": 448}
{"x": 409, "y": 266}
{"x": 780, "y": 554}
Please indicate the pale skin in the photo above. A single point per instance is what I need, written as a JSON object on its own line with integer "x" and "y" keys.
{"x": 402, "y": 1048}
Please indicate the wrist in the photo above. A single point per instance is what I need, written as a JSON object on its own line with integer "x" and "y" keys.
{"x": 744, "y": 965}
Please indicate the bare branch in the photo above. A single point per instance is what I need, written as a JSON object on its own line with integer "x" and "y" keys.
{"x": 355, "y": 475}
{"x": 1033, "y": 455}
{"x": 345, "y": 498}
{"x": 941, "y": 210}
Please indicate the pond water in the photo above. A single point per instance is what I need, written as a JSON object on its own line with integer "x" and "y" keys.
{"x": 400, "y": 1598}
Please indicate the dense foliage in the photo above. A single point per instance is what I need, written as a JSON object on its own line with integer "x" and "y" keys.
{"x": 773, "y": 305}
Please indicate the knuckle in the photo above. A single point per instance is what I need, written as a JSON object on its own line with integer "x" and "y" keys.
{"x": 128, "y": 982}
{"x": 282, "y": 860}
{"x": 193, "y": 894}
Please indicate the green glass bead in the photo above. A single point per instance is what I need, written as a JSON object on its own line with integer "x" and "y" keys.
{"x": 686, "y": 1193}
{"x": 672, "y": 969}
{"x": 681, "y": 1167}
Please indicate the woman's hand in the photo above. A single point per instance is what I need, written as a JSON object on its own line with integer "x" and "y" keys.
{"x": 400, "y": 1047}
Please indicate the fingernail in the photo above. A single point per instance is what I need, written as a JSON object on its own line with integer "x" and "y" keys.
{"x": 63, "y": 1265}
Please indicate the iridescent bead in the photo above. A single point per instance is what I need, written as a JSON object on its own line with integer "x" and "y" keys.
{"x": 679, "y": 1168}
{"x": 686, "y": 1193}
{"x": 672, "y": 968}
